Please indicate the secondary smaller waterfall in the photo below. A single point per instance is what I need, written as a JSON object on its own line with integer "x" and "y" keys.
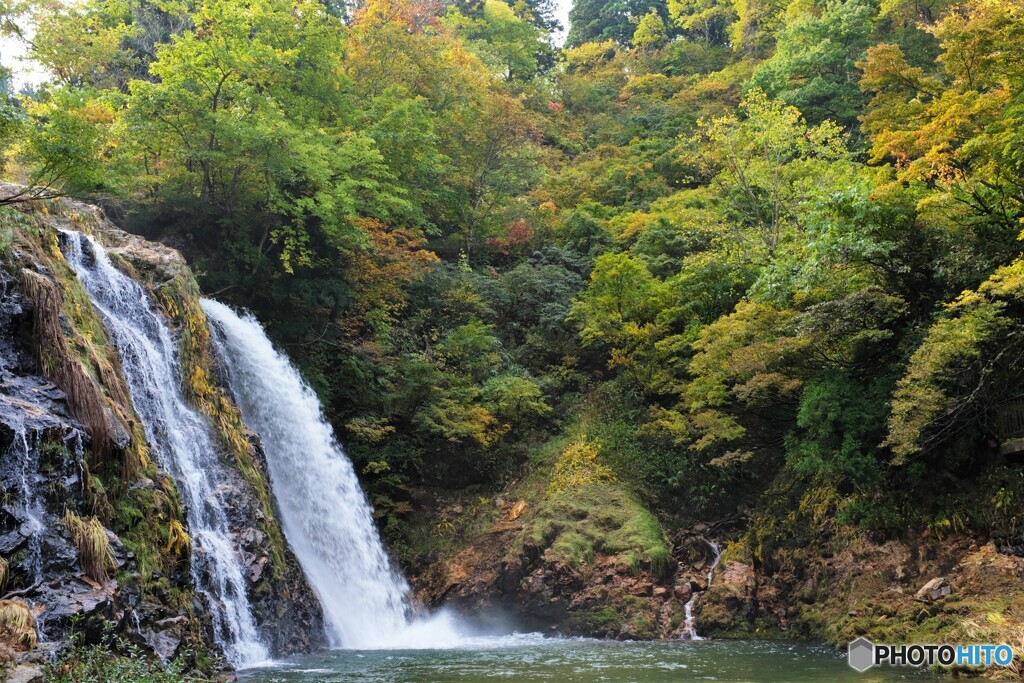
{"x": 326, "y": 517}
{"x": 25, "y": 452}
{"x": 689, "y": 629}
{"x": 179, "y": 436}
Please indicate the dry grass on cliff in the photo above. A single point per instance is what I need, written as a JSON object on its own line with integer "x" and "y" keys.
{"x": 93, "y": 545}
{"x": 178, "y": 540}
{"x": 75, "y": 353}
{"x": 61, "y": 364}
{"x": 17, "y": 625}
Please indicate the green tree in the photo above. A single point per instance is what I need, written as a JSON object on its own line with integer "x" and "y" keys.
{"x": 707, "y": 21}
{"x": 599, "y": 20}
{"x": 650, "y": 31}
{"x": 953, "y": 135}
{"x": 765, "y": 168}
{"x": 619, "y": 310}
{"x": 65, "y": 139}
{"x": 513, "y": 47}
{"x": 814, "y": 64}
{"x": 756, "y": 25}
{"x": 968, "y": 364}
{"x": 514, "y": 399}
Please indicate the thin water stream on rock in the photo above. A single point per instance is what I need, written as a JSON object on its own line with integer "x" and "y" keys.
{"x": 690, "y": 630}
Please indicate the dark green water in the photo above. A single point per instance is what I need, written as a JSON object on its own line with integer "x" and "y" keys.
{"x": 531, "y": 658}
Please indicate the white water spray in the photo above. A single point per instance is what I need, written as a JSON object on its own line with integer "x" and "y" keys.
{"x": 180, "y": 438}
{"x": 689, "y": 630}
{"x": 325, "y": 515}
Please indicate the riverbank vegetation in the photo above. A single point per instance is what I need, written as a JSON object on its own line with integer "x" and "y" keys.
{"x": 770, "y": 250}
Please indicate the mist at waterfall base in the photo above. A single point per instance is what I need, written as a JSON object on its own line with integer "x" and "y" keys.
{"x": 178, "y": 435}
{"x": 324, "y": 512}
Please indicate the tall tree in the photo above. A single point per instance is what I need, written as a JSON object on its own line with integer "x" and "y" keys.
{"x": 814, "y": 65}
{"x": 598, "y": 20}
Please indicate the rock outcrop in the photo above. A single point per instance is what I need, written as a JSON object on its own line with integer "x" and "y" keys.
{"x": 921, "y": 590}
{"x": 44, "y": 474}
{"x": 498, "y": 577}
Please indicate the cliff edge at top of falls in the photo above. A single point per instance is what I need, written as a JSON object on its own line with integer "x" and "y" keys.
{"x": 93, "y": 539}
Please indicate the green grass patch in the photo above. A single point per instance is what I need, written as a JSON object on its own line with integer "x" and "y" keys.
{"x": 599, "y": 518}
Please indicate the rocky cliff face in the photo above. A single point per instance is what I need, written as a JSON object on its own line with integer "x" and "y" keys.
{"x": 285, "y": 607}
{"x": 41, "y": 446}
{"x": 91, "y": 532}
{"x": 922, "y": 589}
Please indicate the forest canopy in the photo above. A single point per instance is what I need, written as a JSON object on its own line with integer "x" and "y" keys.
{"x": 765, "y": 242}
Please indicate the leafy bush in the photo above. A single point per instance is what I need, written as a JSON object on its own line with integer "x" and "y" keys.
{"x": 111, "y": 660}
{"x": 578, "y": 467}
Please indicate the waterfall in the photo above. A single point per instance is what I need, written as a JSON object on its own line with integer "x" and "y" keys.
{"x": 325, "y": 515}
{"x": 180, "y": 438}
{"x": 689, "y": 630}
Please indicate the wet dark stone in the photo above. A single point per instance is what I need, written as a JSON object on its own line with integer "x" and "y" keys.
{"x": 286, "y": 610}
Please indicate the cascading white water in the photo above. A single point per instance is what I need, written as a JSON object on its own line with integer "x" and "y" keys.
{"x": 25, "y": 452}
{"x": 325, "y": 515}
{"x": 179, "y": 436}
{"x": 689, "y": 630}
